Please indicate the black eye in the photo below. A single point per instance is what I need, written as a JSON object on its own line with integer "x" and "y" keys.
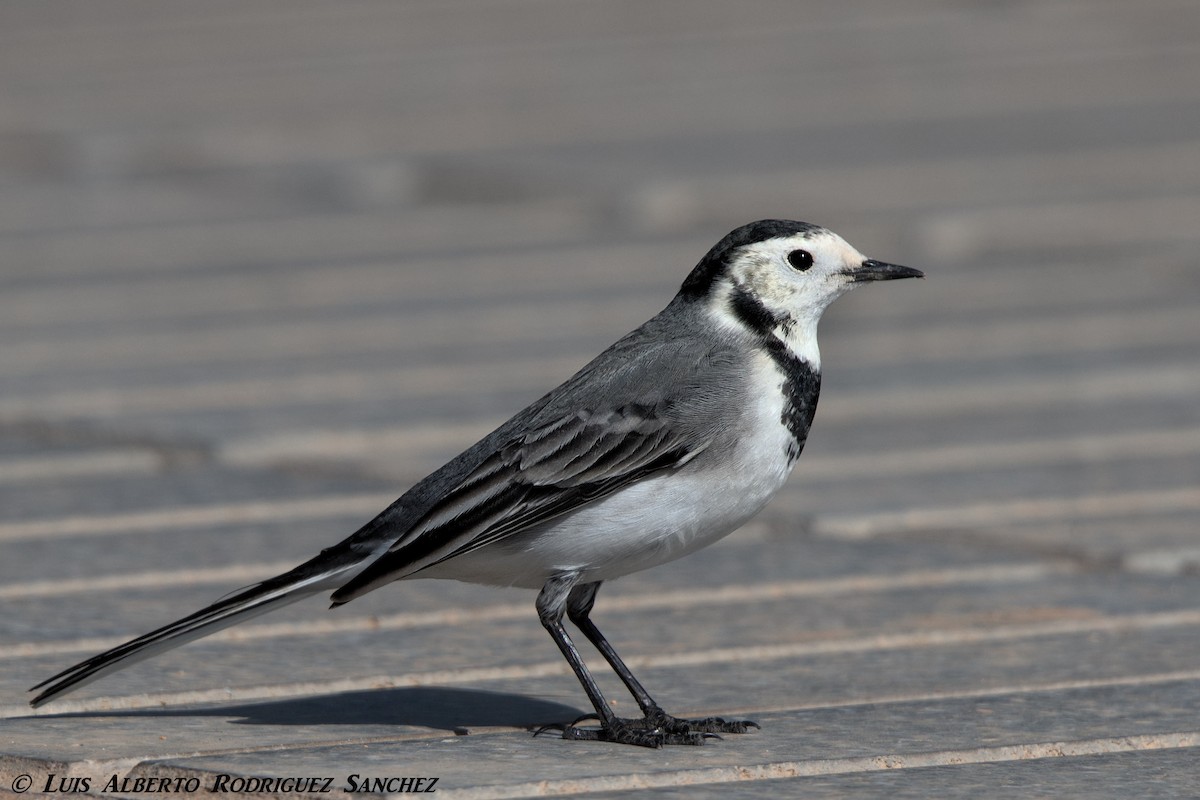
{"x": 800, "y": 260}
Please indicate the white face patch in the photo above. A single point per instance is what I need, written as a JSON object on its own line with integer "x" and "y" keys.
{"x": 763, "y": 268}
{"x": 794, "y": 298}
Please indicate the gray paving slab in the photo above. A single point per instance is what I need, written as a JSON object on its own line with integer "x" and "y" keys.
{"x": 261, "y": 268}
{"x": 946, "y": 729}
{"x": 1164, "y": 775}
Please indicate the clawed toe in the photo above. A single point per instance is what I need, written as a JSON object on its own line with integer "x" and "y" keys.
{"x": 563, "y": 727}
{"x": 712, "y": 725}
{"x": 717, "y": 725}
{"x": 552, "y": 726}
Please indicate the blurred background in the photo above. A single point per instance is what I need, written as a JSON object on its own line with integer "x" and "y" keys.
{"x": 262, "y": 265}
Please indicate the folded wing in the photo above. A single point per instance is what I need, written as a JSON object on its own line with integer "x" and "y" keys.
{"x": 538, "y": 476}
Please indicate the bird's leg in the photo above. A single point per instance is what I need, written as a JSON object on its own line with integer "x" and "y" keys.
{"x": 579, "y": 607}
{"x": 551, "y": 605}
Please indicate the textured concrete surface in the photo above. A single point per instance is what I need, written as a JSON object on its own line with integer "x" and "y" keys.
{"x": 263, "y": 266}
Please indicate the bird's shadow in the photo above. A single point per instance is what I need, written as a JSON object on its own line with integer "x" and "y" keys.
{"x": 456, "y": 710}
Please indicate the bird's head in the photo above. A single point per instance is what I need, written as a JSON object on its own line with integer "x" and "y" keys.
{"x": 778, "y": 276}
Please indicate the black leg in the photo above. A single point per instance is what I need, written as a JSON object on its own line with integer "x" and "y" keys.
{"x": 579, "y": 607}
{"x": 551, "y": 604}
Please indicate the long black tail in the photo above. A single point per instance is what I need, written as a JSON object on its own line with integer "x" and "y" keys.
{"x": 314, "y": 576}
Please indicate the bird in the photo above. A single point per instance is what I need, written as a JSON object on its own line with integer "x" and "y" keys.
{"x": 665, "y": 442}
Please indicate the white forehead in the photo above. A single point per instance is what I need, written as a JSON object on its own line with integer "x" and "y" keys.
{"x": 824, "y": 245}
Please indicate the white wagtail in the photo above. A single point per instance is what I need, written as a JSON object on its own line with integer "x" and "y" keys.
{"x": 667, "y": 441}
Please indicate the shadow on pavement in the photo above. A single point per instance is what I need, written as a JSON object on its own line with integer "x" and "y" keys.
{"x": 429, "y": 707}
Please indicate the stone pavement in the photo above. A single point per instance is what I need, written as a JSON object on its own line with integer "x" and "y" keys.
{"x": 264, "y": 265}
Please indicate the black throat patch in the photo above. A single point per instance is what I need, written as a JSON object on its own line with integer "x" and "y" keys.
{"x": 801, "y": 388}
{"x": 801, "y": 383}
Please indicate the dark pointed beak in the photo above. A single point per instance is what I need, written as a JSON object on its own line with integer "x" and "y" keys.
{"x": 872, "y": 270}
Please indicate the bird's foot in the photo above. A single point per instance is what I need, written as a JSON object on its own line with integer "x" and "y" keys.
{"x": 627, "y": 731}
